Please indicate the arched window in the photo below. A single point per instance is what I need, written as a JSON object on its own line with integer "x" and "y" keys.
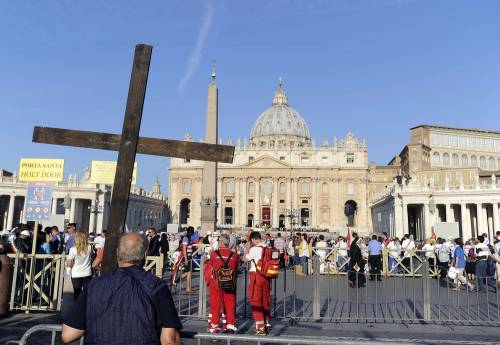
{"x": 446, "y": 159}
{"x": 465, "y": 161}
{"x": 267, "y": 187}
{"x": 473, "y": 161}
{"x": 436, "y": 158}
{"x": 482, "y": 162}
{"x": 349, "y": 158}
{"x": 491, "y": 163}
{"x": 455, "y": 160}
{"x": 282, "y": 188}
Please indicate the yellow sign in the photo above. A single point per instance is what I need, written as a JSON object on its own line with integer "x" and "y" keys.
{"x": 104, "y": 172}
{"x": 41, "y": 170}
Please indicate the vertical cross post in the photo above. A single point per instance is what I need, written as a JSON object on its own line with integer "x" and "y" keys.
{"x": 126, "y": 154}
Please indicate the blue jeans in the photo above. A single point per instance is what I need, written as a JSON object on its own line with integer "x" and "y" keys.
{"x": 482, "y": 275}
{"x": 303, "y": 263}
{"x": 392, "y": 263}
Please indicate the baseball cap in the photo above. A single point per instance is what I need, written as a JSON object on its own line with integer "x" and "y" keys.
{"x": 26, "y": 233}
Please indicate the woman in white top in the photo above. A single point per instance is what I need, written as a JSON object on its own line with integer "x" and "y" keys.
{"x": 429, "y": 253}
{"x": 79, "y": 260}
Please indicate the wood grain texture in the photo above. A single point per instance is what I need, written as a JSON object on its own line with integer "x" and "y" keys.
{"x": 126, "y": 154}
{"x": 148, "y": 146}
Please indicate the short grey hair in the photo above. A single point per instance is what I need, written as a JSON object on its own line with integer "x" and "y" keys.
{"x": 224, "y": 239}
{"x": 132, "y": 248}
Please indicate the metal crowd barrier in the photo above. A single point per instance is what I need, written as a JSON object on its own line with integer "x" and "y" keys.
{"x": 227, "y": 338}
{"x": 409, "y": 262}
{"x": 37, "y": 281}
{"x": 413, "y": 295}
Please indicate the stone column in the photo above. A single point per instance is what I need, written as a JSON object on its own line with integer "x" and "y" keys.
{"x": 314, "y": 207}
{"x": 236, "y": 202}
{"x": 485, "y": 218}
{"x": 220, "y": 219}
{"x": 448, "y": 213}
{"x": 92, "y": 221}
{"x": 427, "y": 221}
{"x": 256, "y": 202}
{"x": 54, "y": 205}
{"x": 244, "y": 201}
{"x": 468, "y": 220}
{"x": 10, "y": 214}
{"x": 288, "y": 201}
{"x": 405, "y": 217}
{"x": 398, "y": 218}
{"x": 101, "y": 215}
{"x": 276, "y": 203}
{"x": 72, "y": 211}
{"x": 463, "y": 219}
{"x": 496, "y": 219}
{"x": 480, "y": 221}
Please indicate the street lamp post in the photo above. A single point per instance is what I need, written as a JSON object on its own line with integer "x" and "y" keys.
{"x": 95, "y": 209}
{"x": 293, "y": 214}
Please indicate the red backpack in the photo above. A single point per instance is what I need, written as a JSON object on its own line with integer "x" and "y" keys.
{"x": 269, "y": 263}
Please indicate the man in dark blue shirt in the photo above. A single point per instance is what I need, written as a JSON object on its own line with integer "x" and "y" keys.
{"x": 375, "y": 258}
{"x": 127, "y": 306}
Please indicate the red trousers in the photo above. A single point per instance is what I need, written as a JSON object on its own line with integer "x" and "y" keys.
{"x": 260, "y": 299}
{"x": 222, "y": 302}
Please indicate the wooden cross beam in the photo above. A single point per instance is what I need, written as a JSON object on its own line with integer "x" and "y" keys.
{"x": 128, "y": 144}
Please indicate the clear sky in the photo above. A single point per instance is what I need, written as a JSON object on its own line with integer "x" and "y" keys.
{"x": 375, "y": 68}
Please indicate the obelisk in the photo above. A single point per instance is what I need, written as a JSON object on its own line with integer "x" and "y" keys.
{"x": 209, "y": 183}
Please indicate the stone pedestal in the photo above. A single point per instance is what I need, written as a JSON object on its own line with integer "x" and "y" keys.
{"x": 208, "y": 217}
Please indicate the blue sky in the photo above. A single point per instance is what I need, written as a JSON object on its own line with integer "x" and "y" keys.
{"x": 376, "y": 68}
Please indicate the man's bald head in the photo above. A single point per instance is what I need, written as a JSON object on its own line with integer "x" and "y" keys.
{"x": 131, "y": 249}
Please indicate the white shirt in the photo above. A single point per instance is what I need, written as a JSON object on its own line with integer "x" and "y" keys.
{"x": 482, "y": 251}
{"x": 407, "y": 245}
{"x": 342, "y": 248}
{"x": 81, "y": 263}
{"x": 394, "y": 249}
{"x": 321, "y": 252}
{"x": 429, "y": 248}
{"x": 253, "y": 256}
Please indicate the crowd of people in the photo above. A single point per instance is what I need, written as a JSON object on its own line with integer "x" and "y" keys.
{"x": 473, "y": 264}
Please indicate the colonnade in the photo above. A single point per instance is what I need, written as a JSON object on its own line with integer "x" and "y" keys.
{"x": 474, "y": 218}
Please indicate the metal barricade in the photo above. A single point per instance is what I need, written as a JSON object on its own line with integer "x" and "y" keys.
{"x": 53, "y": 329}
{"x": 414, "y": 294}
{"x": 37, "y": 281}
{"x": 229, "y": 338}
{"x": 154, "y": 264}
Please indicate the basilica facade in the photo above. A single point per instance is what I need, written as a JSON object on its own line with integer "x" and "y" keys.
{"x": 281, "y": 177}
{"x": 447, "y": 175}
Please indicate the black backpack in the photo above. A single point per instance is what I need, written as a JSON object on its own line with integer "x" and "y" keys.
{"x": 226, "y": 276}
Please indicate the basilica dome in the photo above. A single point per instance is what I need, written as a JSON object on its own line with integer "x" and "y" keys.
{"x": 280, "y": 120}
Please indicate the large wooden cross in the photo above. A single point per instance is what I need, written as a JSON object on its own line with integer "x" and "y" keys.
{"x": 128, "y": 144}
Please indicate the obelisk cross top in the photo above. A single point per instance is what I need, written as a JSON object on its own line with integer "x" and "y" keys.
{"x": 128, "y": 144}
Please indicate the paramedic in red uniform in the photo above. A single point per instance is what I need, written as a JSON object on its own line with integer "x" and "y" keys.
{"x": 258, "y": 288}
{"x": 222, "y": 300}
